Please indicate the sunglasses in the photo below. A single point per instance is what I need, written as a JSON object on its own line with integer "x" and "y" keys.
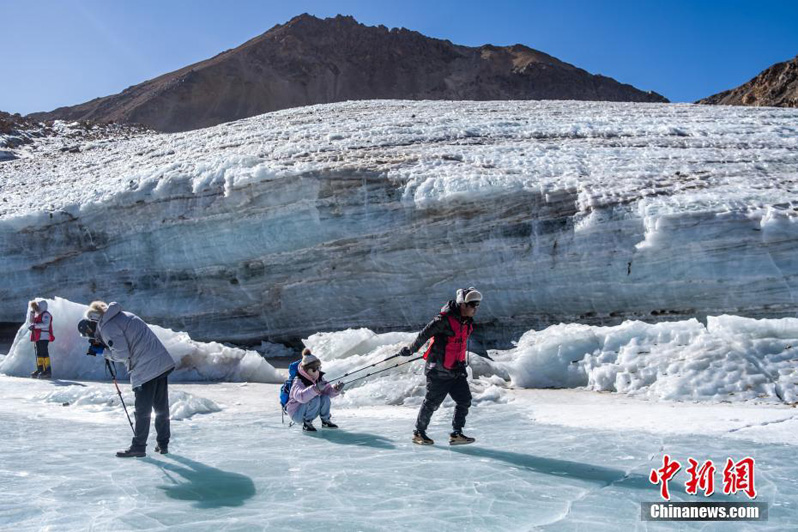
{"x": 473, "y": 304}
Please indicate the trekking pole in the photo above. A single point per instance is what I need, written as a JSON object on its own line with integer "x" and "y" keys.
{"x": 113, "y": 376}
{"x": 385, "y": 369}
{"x": 365, "y": 367}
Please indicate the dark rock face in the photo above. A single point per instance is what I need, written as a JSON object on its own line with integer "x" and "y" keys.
{"x": 13, "y": 134}
{"x": 310, "y": 61}
{"x": 11, "y": 124}
{"x": 775, "y": 87}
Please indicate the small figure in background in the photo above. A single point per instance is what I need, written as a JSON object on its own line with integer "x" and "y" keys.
{"x": 41, "y": 334}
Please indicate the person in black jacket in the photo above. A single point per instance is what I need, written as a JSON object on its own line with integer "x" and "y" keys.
{"x": 446, "y": 364}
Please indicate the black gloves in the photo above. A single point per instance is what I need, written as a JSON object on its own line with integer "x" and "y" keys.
{"x": 405, "y": 352}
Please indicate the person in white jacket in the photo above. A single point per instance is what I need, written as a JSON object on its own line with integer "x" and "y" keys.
{"x": 41, "y": 334}
{"x": 128, "y": 339}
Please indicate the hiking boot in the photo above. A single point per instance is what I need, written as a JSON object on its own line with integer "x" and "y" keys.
{"x": 46, "y": 374}
{"x": 162, "y": 449}
{"x": 35, "y": 374}
{"x": 131, "y": 453}
{"x": 420, "y": 437}
{"x": 307, "y": 426}
{"x": 328, "y": 424}
{"x": 458, "y": 438}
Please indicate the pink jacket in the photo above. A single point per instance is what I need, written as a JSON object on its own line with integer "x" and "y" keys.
{"x": 302, "y": 392}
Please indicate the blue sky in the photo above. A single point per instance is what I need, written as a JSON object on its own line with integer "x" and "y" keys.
{"x": 64, "y": 52}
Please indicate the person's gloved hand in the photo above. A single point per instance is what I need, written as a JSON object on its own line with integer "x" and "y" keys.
{"x": 320, "y": 387}
{"x": 405, "y": 352}
{"x": 338, "y": 386}
{"x": 95, "y": 349}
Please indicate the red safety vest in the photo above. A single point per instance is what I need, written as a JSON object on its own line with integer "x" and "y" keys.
{"x": 455, "y": 345}
{"x": 35, "y": 334}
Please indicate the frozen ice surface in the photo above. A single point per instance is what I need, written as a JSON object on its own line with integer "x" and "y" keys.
{"x": 547, "y": 460}
{"x": 569, "y": 459}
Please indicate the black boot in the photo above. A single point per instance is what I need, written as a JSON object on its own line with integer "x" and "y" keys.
{"x": 131, "y": 453}
{"x": 307, "y": 426}
{"x": 328, "y": 424}
{"x": 162, "y": 449}
{"x": 46, "y": 374}
{"x": 35, "y": 374}
{"x": 458, "y": 438}
{"x": 420, "y": 437}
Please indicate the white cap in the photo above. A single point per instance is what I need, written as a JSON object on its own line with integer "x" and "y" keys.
{"x": 467, "y": 295}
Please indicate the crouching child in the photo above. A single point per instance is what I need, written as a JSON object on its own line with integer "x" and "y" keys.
{"x": 310, "y": 394}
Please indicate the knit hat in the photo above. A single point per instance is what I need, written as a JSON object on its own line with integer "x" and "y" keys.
{"x": 308, "y": 360}
{"x": 468, "y": 295}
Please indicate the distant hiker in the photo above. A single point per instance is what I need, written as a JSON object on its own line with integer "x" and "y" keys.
{"x": 446, "y": 364}
{"x": 310, "y": 394}
{"x": 41, "y": 334}
{"x": 126, "y": 338}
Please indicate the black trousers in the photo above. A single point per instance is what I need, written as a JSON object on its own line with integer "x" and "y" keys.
{"x": 152, "y": 395}
{"x": 437, "y": 389}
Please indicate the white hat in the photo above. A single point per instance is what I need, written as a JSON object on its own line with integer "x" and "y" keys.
{"x": 467, "y": 295}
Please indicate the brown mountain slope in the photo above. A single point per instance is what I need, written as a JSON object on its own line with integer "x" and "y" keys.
{"x": 775, "y": 87}
{"x": 310, "y": 60}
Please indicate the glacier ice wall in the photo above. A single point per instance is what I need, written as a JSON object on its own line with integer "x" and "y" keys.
{"x": 371, "y": 214}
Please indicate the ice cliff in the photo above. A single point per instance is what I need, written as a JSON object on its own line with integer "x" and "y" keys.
{"x": 371, "y": 214}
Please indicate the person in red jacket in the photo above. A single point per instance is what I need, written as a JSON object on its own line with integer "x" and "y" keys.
{"x": 41, "y": 334}
{"x": 446, "y": 364}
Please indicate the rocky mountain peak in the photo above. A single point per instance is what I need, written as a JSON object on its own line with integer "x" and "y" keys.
{"x": 776, "y": 86}
{"x": 309, "y": 60}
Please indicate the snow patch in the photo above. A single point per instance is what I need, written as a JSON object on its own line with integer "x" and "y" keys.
{"x": 182, "y": 405}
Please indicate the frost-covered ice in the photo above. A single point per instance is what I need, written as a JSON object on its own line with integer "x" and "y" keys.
{"x": 732, "y": 359}
{"x": 729, "y": 359}
{"x": 487, "y": 147}
{"x": 371, "y": 214}
{"x": 196, "y": 361}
